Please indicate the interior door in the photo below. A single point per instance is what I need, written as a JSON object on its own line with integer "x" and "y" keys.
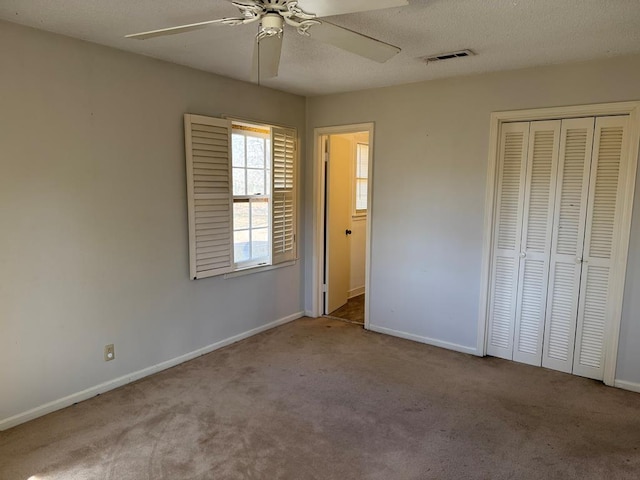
{"x": 338, "y": 221}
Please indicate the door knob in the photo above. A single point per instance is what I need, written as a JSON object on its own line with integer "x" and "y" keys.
{"x": 523, "y": 254}
{"x": 347, "y": 232}
{"x": 578, "y": 260}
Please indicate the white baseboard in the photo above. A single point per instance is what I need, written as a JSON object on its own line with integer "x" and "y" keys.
{"x": 132, "y": 377}
{"x": 310, "y": 314}
{"x": 354, "y": 292}
{"x": 631, "y": 386}
{"x": 427, "y": 340}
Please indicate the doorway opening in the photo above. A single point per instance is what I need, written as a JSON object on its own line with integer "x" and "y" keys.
{"x": 344, "y": 160}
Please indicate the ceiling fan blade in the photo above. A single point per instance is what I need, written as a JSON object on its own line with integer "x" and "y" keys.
{"x": 185, "y": 28}
{"x": 353, "y": 42}
{"x": 266, "y": 58}
{"x": 171, "y": 30}
{"x": 326, "y": 8}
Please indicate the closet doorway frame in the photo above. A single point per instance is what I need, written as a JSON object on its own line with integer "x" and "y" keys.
{"x": 622, "y": 247}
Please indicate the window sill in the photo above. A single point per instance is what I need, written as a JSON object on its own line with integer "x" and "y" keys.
{"x": 257, "y": 269}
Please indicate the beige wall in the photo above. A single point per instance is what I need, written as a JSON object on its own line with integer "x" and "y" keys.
{"x": 93, "y": 247}
{"x": 430, "y": 165}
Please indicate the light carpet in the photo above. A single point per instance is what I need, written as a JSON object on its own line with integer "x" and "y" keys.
{"x": 323, "y": 399}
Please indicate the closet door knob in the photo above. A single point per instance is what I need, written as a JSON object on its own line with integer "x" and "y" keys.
{"x": 578, "y": 260}
{"x": 523, "y": 254}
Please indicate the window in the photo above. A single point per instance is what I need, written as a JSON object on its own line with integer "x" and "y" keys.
{"x": 251, "y": 161}
{"x": 241, "y": 183}
{"x": 361, "y": 178}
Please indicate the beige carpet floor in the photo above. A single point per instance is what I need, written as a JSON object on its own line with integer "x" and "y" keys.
{"x": 323, "y": 399}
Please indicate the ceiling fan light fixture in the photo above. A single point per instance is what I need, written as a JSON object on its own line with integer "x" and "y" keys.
{"x": 271, "y": 26}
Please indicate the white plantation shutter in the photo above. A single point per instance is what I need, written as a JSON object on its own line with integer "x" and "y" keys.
{"x": 512, "y": 161}
{"x": 208, "y": 157}
{"x": 284, "y": 159}
{"x": 536, "y": 240}
{"x": 567, "y": 245}
{"x": 603, "y": 213}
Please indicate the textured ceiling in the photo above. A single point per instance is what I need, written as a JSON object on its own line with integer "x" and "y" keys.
{"x": 506, "y": 34}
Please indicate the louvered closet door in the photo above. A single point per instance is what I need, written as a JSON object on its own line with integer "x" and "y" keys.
{"x": 568, "y": 242}
{"x": 542, "y": 164}
{"x": 512, "y": 162}
{"x": 208, "y": 158}
{"x": 603, "y": 212}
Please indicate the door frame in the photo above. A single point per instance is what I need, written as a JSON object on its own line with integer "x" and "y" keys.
{"x": 319, "y": 181}
{"x": 621, "y": 248}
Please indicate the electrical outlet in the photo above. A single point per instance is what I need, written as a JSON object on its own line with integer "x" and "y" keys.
{"x": 109, "y": 353}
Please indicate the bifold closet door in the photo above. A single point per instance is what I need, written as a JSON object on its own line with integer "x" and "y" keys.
{"x": 558, "y": 221}
{"x": 568, "y": 241}
{"x": 512, "y": 162}
{"x": 606, "y": 192}
{"x": 522, "y": 239}
{"x": 537, "y": 227}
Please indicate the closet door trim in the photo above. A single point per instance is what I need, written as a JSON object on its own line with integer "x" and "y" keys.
{"x": 622, "y": 244}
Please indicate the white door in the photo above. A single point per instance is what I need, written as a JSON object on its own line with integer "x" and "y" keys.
{"x": 567, "y": 244}
{"x": 537, "y": 226}
{"x": 601, "y": 237}
{"x": 512, "y": 163}
{"x": 338, "y": 222}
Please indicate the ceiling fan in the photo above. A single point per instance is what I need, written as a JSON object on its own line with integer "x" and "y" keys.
{"x": 303, "y": 15}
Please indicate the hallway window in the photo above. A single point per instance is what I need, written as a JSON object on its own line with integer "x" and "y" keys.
{"x": 361, "y": 178}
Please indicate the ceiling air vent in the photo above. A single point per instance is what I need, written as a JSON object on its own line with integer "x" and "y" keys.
{"x": 447, "y": 56}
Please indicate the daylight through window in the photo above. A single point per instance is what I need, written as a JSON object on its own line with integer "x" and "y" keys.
{"x": 362, "y": 174}
{"x": 251, "y": 162}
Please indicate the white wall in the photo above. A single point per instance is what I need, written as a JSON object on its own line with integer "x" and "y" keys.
{"x": 93, "y": 248}
{"x": 430, "y": 166}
